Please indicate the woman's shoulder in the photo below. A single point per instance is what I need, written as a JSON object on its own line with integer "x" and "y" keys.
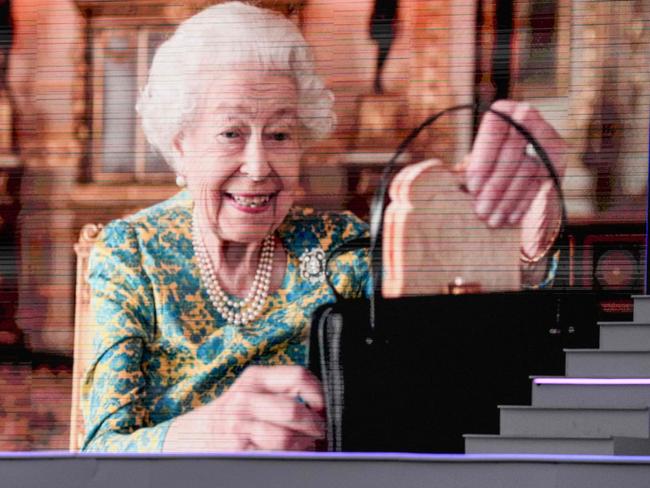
{"x": 153, "y": 235}
{"x": 172, "y": 215}
{"x": 304, "y": 228}
{"x": 176, "y": 209}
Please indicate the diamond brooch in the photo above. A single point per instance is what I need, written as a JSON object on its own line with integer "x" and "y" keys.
{"x": 312, "y": 266}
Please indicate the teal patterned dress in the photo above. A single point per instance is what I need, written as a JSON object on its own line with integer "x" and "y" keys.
{"x": 163, "y": 349}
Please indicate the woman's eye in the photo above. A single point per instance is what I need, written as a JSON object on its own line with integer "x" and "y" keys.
{"x": 281, "y": 136}
{"x": 229, "y": 134}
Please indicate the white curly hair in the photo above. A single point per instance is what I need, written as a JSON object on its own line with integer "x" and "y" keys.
{"x": 222, "y": 36}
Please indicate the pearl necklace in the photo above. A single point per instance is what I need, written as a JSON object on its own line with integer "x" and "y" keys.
{"x": 237, "y": 311}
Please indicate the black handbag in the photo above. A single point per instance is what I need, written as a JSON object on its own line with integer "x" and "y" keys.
{"x": 414, "y": 374}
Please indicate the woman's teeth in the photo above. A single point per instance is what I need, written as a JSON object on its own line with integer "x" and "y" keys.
{"x": 252, "y": 202}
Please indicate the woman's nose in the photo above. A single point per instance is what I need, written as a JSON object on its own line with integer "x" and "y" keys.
{"x": 256, "y": 164}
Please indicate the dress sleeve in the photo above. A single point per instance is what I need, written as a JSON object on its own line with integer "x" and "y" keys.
{"x": 114, "y": 391}
{"x": 349, "y": 270}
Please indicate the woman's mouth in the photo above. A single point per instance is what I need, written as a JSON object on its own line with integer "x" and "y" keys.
{"x": 251, "y": 202}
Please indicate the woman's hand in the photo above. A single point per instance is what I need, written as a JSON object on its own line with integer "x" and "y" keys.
{"x": 510, "y": 185}
{"x": 267, "y": 408}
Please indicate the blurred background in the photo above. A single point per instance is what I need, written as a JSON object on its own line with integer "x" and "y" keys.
{"x": 72, "y": 152}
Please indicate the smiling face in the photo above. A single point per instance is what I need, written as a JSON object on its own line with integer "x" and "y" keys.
{"x": 240, "y": 154}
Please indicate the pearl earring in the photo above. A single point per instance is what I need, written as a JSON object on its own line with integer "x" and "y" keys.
{"x": 180, "y": 181}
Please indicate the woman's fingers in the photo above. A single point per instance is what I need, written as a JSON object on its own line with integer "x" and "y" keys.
{"x": 501, "y": 178}
{"x": 271, "y": 437}
{"x": 292, "y": 381}
{"x": 284, "y": 411}
{"x": 532, "y": 191}
{"x": 270, "y": 408}
{"x": 500, "y": 174}
{"x": 509, "y": 158}
{"x": 491, "y": 134}
{"x": 518, "y": 196}
{"x": 275, "y": 408}
{"x": 529, "y": 117}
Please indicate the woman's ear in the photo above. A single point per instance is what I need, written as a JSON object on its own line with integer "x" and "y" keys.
{"x": 178, "y": 144}
{"x": 178, "y": 151}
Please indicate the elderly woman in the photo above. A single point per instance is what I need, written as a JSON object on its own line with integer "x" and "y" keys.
{"x": 199, "y": 295}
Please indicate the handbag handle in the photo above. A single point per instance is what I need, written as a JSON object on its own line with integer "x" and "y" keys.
{"x": 378, "y": 206}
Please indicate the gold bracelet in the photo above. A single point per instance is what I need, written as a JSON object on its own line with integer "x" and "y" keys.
{"x": 539, "y": 256}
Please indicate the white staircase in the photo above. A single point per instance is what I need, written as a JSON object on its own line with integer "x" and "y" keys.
{"x": 601, "y": 406}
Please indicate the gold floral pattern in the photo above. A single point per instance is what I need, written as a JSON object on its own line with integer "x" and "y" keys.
{"x": 163, "y": 349}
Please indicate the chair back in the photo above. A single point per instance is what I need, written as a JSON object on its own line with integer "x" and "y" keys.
{"x": 83, "y": 330}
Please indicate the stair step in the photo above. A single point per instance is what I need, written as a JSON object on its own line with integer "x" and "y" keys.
{"x": 493, "y": 444}
{"x": 641, "y": 308}
{"x": 624, "y": 336}
{"x": 591, "y": 392}
{"x": 607, "y": 364}
{"x": 523, "y": 421}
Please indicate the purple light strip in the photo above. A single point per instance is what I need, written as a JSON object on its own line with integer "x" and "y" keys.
{"x": 338, "y": 456}
{"x": 592, "y": 381}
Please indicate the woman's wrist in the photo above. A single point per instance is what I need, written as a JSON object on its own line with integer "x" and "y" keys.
{"x": 181, "y": 437}
{"x": 541, "y": 227}
{"x": 173, "y": 440}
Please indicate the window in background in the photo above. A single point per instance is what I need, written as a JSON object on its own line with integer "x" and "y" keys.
{"x": 120, "y": 62}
